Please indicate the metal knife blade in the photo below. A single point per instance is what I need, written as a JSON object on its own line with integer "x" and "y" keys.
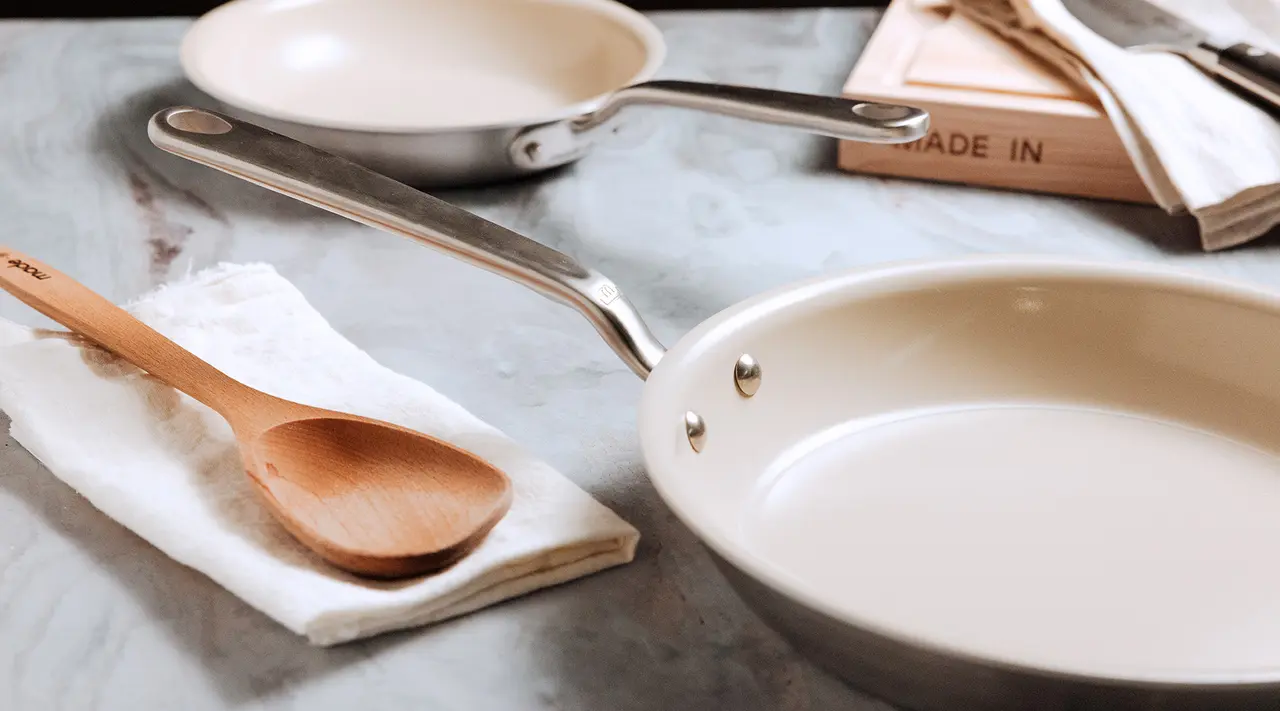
{"x": 1252, "y": 70}
{"x": 1136, "y": 24}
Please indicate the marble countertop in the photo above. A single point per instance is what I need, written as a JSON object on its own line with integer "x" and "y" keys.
{"x": 688, "y": 212}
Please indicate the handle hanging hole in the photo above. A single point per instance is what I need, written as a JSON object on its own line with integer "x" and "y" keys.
{"x": 197, "y": 121}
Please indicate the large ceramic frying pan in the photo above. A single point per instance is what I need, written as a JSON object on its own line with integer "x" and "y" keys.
{"x": 446, "y": 93}
{"x": 979, "y": 484}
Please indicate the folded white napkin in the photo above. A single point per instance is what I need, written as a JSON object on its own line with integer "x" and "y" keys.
{"x": 167, "y": 468}
{"x": 1198, "y": 147}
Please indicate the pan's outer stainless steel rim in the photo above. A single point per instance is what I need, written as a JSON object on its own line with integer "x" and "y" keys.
{"x": 916, "y": 673}
{"x": 456, "y": 159}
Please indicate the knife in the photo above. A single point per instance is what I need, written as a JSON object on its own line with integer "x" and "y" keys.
{"x": 1139, "y": 25}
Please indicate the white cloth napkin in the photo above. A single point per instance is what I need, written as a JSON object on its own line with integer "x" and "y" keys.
{"x": 1198, "y": 147}
{"x": 166, "y": 466}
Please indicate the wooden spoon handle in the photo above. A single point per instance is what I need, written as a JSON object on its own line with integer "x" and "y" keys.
{"x": 75, "y": 306}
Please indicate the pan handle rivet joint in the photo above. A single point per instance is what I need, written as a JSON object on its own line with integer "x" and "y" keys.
{"x": 695, "y": 429}
{"x": 746, "y": 375}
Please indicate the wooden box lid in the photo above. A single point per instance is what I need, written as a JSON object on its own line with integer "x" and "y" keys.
{"x": 1001, "y": 117}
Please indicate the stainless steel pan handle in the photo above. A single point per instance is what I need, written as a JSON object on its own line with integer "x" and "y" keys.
{"x": 343, "y": 187}
{"x": 851, "y": 119}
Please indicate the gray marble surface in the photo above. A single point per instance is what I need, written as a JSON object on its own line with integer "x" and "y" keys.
{"x": 688, "y": 212}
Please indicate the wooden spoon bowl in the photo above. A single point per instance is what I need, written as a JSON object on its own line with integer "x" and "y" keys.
{"x": 327, "y": 476}
{"x": 370, "y": 497}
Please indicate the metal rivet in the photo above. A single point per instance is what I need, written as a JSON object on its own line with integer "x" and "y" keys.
{"x": 533, "y": 150}
{"x": 695, "y": 429}
{"x": 746, "y": 375}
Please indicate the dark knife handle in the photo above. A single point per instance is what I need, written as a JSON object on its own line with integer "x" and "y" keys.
{"x": 1253, "y": 69}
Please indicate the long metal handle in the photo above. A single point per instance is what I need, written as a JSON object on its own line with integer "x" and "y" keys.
{"x": 834, "y": 116}
{"x": 340, "y": 186}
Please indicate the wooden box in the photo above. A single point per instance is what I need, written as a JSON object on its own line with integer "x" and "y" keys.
{"x": 1000, "y": 117}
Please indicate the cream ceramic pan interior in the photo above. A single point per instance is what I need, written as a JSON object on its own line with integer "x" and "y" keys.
{"x": 1067, "y": 467}
{"x": 419, "y": 65}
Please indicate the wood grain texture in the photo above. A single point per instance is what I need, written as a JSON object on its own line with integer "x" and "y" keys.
{"x": 687, "y": 212}
{"x": 377, "y": 500}
{"x": 961, "y": 54}
{"x": 1000, "y": 117}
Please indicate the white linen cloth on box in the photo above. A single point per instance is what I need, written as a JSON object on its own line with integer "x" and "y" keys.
{"x": 167, "y": 467}
{"x": 1199, "y": 147}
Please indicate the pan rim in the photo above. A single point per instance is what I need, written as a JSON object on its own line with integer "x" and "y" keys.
{"x": 643, "y": 29}
{"x": 885, "y": 277}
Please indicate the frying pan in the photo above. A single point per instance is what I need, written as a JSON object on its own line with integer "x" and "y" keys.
{"x": 979, "y": 483}
{"x": 451, "y": 93}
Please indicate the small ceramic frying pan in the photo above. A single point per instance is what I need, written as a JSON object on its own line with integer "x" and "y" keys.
{"x": 444, "y": 93}
{"x": 979, "y": 484}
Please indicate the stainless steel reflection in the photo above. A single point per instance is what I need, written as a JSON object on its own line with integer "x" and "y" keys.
{"x": 746, "y": 375}
{"x": 475, "y": 156}
{"x": 318, "y": 178}
{"x": 557, "y": 143}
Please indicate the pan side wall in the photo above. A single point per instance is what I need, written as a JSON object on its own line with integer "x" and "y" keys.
{"x": 451, "y": 159}
{"x": 918, "y": 679}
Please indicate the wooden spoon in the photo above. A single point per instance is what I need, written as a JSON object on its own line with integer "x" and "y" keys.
{"x": 370, "y": 497}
